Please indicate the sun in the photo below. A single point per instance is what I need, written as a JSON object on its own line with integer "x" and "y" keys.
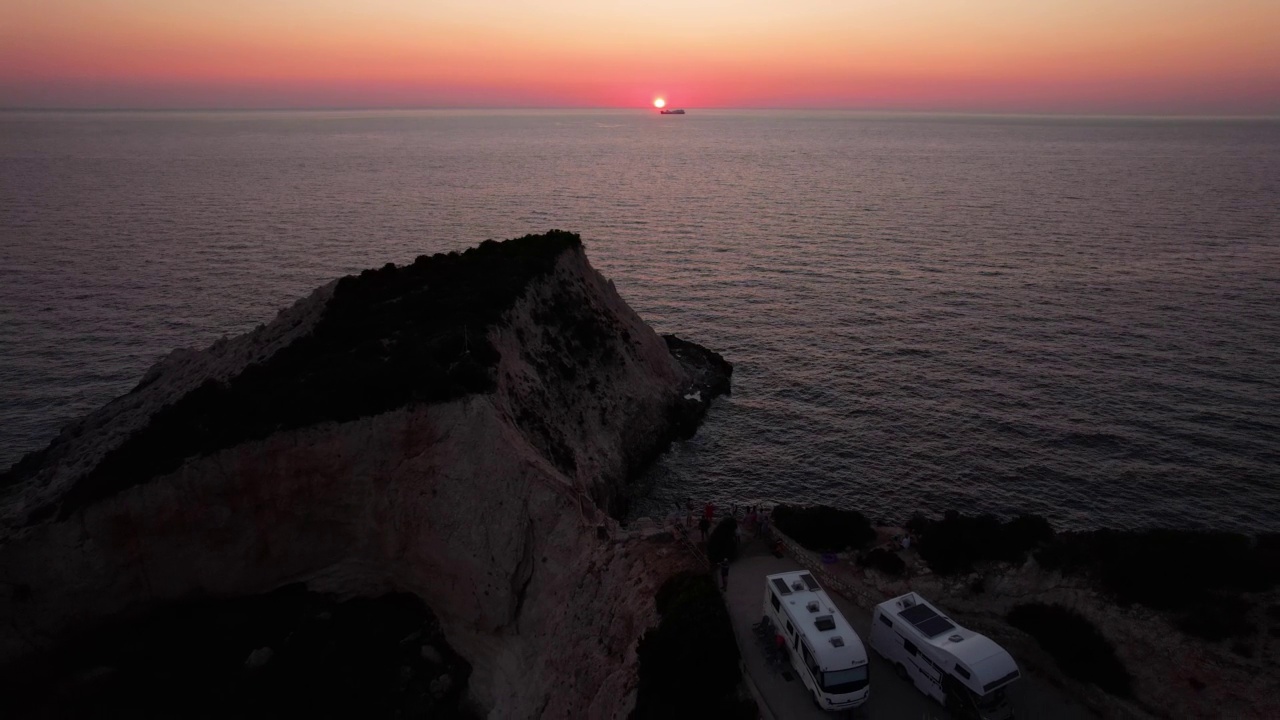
{"x": 659, "y": 103}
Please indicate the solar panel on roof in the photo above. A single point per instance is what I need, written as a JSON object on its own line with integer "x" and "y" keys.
{"x": 935, "y": 626}
{"x": 927, "y": 621}
{"x": 782, "y": 586}
{"x": 809, "y": 582}
{"x": 917, "y": 614}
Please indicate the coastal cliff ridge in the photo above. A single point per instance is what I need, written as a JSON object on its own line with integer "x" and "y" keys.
{"x": 464, "y": 428}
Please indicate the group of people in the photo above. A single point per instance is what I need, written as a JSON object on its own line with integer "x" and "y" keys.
{"x": 754, "y": 519}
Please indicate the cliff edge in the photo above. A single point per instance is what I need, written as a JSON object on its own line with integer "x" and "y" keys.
{"x": 463, "y": 428}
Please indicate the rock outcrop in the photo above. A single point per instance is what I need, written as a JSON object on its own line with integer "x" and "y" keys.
{"x": 463, "y": 428}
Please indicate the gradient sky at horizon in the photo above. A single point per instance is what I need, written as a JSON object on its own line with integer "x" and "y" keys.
{"x": 1199, "y": 57}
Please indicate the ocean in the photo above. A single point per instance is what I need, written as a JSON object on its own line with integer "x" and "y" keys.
{"x": 1075, "y": 317}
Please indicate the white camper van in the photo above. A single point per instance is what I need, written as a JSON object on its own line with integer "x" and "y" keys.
{"x": 824, "y": 650}
{"x": 959, "y": 668}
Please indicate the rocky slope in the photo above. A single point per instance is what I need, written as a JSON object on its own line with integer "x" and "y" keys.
{"x": 462, "y": 428}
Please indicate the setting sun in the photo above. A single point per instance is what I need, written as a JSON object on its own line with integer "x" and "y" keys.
{"x": 659, "y": 103}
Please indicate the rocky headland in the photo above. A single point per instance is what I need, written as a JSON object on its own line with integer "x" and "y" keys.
{"x": 452, "y": 440}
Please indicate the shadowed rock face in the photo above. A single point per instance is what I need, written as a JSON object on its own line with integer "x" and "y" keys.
{"x": 288, "y": 653}
{"x": 459, "y": 428}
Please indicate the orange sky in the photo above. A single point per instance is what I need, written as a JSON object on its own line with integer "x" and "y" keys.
{"x": 1119, "y": 56}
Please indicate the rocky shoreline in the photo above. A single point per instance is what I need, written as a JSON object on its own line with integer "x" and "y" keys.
{"x": 463, "y": 430}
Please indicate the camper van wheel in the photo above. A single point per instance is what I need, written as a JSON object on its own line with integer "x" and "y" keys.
{"x": 902, "y": 672}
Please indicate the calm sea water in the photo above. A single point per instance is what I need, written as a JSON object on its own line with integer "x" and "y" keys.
{"x": 1073, "y": 317}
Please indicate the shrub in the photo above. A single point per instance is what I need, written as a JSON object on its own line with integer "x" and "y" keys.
{"x": 1075, "y": 644}
{"x": 954, "y": 544}
{"x": 1218, "y": 617}
{"x": 723, "y": 542}
{"x": 689, "y": 663}
{"x": 821, "y": 529}
{"x": 1166, "y": 569}
{"x": 1196, "y": 575}
{"x": 883, "y": 560}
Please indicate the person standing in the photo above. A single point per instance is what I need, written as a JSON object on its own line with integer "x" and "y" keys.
{"x": 703, "y": 526}
{"x": 724, "y": 574}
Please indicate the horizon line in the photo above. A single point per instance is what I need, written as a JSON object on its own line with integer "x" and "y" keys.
{"x": 642, "y": 108}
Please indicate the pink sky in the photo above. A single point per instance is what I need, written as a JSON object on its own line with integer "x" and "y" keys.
{"x": 1086, "y": 56}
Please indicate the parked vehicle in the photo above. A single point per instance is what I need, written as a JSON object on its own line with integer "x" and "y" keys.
{"x": 965, "y": 671}
{"x": 825, "y": 652}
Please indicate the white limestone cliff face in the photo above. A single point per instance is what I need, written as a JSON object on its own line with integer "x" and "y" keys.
{"x": 490, "y": 506}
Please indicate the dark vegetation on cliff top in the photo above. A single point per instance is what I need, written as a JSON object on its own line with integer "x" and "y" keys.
{"x": 1075, "y": 644}
{"x": 955, "y": 543}
{"x": 689, "y": 663}
{"x": 290, "y": 653}
{"x": 387, "y": 338}
{"x": 824, "y": 529}
{"x": 1198, "y": 577}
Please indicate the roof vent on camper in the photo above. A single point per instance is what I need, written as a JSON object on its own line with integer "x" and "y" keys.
{"x": 907, "y": 602}
{"x": 956, "y": 638}
{"x": 812, "y": 606}
{"x": 797, "y": 586}
{"x": 824, "y": 623}
{"x": 837, "y": 641}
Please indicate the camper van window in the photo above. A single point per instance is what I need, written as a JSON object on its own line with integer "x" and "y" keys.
{"x": 845, "y": 681}
{"x": 777, "y": 604}
{"x": 962, "y": 672}
{"x": 808, "y": 660}
{"x": 790, "y": 629}
{"x": 885, "y": 619}
{"x": 910, "y": 646}
{"x": 1001, "y": 681}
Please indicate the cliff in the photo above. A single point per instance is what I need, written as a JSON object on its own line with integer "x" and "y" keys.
{"x": 463, "y": 429}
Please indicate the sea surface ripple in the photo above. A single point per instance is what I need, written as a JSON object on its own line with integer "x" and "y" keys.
{"x": 1073, "y": 317}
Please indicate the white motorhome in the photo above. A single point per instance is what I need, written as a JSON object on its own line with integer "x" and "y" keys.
{"x": 824, "y": 650}
{"x": 965, "y": 671}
